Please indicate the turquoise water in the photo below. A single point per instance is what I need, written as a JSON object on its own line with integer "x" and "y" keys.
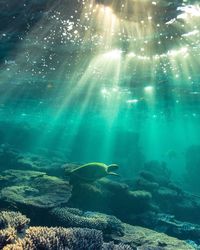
{"x": 125, "y": 133}
{"x": 110, "y": 82}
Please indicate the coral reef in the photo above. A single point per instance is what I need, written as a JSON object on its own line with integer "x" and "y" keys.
{"x": 13, "y": 219}
{"x": 44, "y": 198}
{"x": 140, "y": 196}
{"x": 39, "y": 163}
{"x": 59, "y": 238}
{"x": 63, "y": 238}
{"x": 84, "y": 239}
{"x": 176, "y": 228}
{"x": 8, "y": 157}
{"x": 167, "y": 196}
{"x": 68, "y": 167}
{"x": 156, "y": 172}
{"x": 187, "y": 208}
{"x": 168, "y": 224}
{"x": 104, "y": 196}
{"x": 90, "y": 196}
{"x": 45, "y": 238}
{"x": 34, "y": 189}
{"x": 114, "y": 186}
{"x": 112, "y": 246}
{"x": 7, "y": 236}
{"x": 14, "y": 177}
{"x": 50, "y": 161}
{"x": 142, "y": 238}
{"x": 131, "y": 202}
{"x": 69, "y": 217}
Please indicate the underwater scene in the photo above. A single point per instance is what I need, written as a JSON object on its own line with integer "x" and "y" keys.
{"x": 99, "y": 124}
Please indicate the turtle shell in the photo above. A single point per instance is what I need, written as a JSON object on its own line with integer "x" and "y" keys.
{"x": 90, "y": 172}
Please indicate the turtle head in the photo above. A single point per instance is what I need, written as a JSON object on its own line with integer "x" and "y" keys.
{"x": 113, "y": 167}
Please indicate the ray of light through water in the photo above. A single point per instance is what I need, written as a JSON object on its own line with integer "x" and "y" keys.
{"x": 125, "y": 55}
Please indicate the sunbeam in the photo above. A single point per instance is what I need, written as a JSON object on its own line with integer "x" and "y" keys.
{"x": 111, "y": 55}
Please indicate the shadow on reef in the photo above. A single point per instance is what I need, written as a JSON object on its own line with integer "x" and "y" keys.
{"x": 43, "y": 191}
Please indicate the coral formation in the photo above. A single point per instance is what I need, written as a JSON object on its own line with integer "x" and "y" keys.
{"x": 167, "y": 196}
{"x": 104, "y": 196}
{"x": 167, "y": 223}
{"x": 7, "y": 236}
{"x": 137, "y": 201}
{"x": 158, "y": 171}
{"x": 142, "y": 238}
{"x": 50, "y": 162}
{"x": 69, "y": 217}
{"x": 68, "y": 167}
{"x": 13, "y": 219}
{"x": 114, "y": 186}
{"x": 144, "y": 184}
{"x": 90, "y": 196}
{"x": 8, "y": 156}
{"x": 35, "y": 189}
{"x": 112, "y": 246}
{"x": 59, "y": 238}
{"x": 131, "y": 202}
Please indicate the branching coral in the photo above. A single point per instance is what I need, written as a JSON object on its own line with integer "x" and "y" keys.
{"x": 112, "y": 246}
{"x": 7, "y": 236}
{"x": 13, "y": 219}
{"x": 59, "y": 238}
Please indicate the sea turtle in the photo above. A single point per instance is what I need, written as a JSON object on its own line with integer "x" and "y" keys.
{"x": 92, "y": 171}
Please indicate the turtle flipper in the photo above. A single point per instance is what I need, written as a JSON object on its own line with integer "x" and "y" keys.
{"x": 112, "y": 167}
{"x": 112, "y": 173}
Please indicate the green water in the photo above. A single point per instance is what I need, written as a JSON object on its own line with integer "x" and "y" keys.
{"x": 72, "y": 86}
{"x": 125, "y": 133}
{"x": 101, "y": 81}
